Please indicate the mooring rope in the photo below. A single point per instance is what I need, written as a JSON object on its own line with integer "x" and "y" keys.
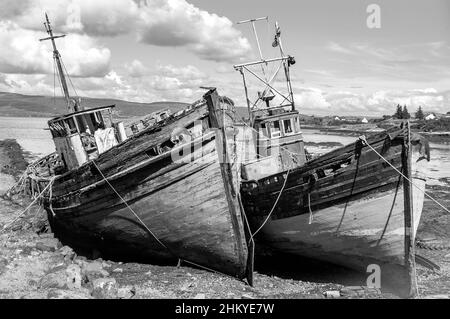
{"x": 363, "y": 139}
{"x": 31, "y": 204}
{"x": 273, "y": 207}
{"x": 128, "y": 206}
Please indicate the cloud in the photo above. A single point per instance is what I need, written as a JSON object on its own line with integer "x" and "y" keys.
{"x": 178, "y": 23}
{"x": 136, "y": 69}
{"x": 311, "y": 99}
{"x": 23, "y": 53}
{"x": 416, "y": 62}
{"x": 95, "y": 18}
{"x": 315, "y": 101}
{"x": 163, "y": 23}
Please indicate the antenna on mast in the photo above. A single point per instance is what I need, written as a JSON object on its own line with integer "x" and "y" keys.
{"x": 59, "y": 64}
{"x": 252, "y": 21}
{"x": 268, "y": 93}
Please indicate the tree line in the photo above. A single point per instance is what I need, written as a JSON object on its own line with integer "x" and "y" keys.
{"x": 402, "y": 113}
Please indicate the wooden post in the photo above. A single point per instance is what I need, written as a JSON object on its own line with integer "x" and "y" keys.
{"x": 220, "y": 120}
{"x": 409, "y": 217}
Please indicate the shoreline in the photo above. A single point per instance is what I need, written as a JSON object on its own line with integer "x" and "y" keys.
{"x": 433, "y": 137}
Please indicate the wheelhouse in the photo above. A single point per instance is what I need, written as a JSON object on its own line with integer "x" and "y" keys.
{"x": 278, "y": 133}
{"x": 82, "y": 136}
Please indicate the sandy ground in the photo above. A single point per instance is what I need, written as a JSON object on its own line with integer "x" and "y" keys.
{"x": 34, "y": 264}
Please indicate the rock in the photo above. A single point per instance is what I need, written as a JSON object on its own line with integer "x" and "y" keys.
{"x": 106, "y": 265}
{"x": 247, "y": 296}
{"x": 93, "y": 270}
{"x": 104, "y": 288}
{"x": 67, "y": 252}
{"x": 200, "y": 296}
{"x": 351, "y": 291}
{"x": 74, "y": 277}
{"x": 47, "y": 235}
{"x": 118, "y": 270}
{"x": 48, "y": 244}
{"x": 126, "y": 292}
{"x": 68, "y": 294}
{"x": 57, "y": 279}
{"x": 437, "y": 297}
{"x": 332, "y": 294}
{"x": 447, "y": 256}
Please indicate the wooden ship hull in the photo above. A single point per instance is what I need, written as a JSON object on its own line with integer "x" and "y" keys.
{"x": 181, "y": 204}
{"x": 348, "y": 207}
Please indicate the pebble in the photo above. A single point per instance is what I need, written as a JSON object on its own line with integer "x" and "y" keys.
{"x": 126, "y": 292}
{"x": 74, "y": 277}
{"x": 118, "y": 270}
{"x": 68, "y": 294}
{"x": 57, "y": 279}
{"x": 43, "y": 247}
{"x": 66, "y": 251}
{"x": 332, "y": 294}
{"x": 93, "y": 269}
{"x": 200, "y": 296}
{"x": 437, "y": 297}
{"x": 104, "y": 288}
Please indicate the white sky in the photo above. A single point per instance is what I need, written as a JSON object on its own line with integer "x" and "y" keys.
{"x": 166, "y": 49}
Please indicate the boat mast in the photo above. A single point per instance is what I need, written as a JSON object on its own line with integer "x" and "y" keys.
{"x": 57, "y": 58}
{"x": 286, "y": 62}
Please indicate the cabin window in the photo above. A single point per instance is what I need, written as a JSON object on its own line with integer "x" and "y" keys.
{"x": 275, "y": 130}
{"x": 263, "y": 130}
{"x": 72, "y": 126}
{"x": 58, "y": 129}
{"x": 288, "y": 127}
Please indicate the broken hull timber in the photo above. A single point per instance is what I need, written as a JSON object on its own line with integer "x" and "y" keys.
{"x": 353, "y": 215}
{"x": 187, "y": 204}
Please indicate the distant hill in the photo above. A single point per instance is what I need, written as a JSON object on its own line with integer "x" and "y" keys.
{"x": 12, "y": 104}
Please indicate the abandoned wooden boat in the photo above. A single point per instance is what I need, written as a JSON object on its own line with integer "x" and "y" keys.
{"x": 348, "y": 207}
{"x": 355, "y": 206}
{"x": 166, "y": 193}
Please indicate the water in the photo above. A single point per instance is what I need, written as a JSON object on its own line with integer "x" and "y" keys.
{"x": 29, "y": 132}
{"x": 32, "y": 135}
{"x": 440, "y": 153}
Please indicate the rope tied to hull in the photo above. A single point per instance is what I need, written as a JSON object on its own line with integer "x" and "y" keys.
{"x": 129, "y": 207}
{"x": 273, "y": 207}
{"x": 49, "y": 185}
{"x": 364, "y": 140}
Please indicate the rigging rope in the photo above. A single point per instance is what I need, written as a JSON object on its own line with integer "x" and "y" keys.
{"x": 31, "y": 204}
{"x": 363, "y": 139}
{"x": 128, "y": 206}
{"x": 273, "y": 207}
{"x": 70, "y": 79}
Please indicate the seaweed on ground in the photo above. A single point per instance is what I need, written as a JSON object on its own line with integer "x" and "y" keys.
{"x": 16, "y": 155}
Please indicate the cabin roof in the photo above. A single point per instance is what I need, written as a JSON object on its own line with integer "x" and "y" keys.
{"x": 279, "y": 116}
{"x": 88, "y": 111}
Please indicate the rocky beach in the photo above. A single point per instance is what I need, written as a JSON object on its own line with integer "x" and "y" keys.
{"x": 35, "y": 264}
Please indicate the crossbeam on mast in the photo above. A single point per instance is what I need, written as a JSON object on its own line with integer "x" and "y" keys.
{"x": 237, "y": 66}
{"x": 268, "y": 84}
